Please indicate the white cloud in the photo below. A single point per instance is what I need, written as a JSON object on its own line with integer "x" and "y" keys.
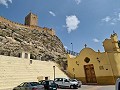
{"x": 78, "y": 1}
{"x": 95, "y": 40}
{"x": 5, "y": 2}
{"x": 65, "y": 47}
{"x": 106, "y": 19}
{"x": 72, "y": 23}
{"x": 53, "y": 14}
{"x": 64, "y": 26}
{"x": 119, "y": 16}
{"x": 112, "y": 23}
{"x": 113, "y": 19}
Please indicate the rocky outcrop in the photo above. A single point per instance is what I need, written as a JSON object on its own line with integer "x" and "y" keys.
{"x": 40, "y": 44}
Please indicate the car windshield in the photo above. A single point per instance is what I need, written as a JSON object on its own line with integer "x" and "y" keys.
{"x": 66, "y": 80}
{"x": 21, "y": 84}
{"x": 50, "y": 82}
{"x": 59, "y": 79}
{"x": 34, "y": 83}
{"x": 73, "y": 80}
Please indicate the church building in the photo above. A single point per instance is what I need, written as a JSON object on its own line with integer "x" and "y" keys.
{"x": 93, "y": 67}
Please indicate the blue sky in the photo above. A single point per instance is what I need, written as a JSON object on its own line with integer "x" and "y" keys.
{"x": 74, "y": 21}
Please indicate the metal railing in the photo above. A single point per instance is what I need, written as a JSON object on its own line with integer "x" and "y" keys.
{"x": 72, "y": 52}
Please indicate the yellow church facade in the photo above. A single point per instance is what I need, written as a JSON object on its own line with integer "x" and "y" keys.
{"x": 93, "y": 67}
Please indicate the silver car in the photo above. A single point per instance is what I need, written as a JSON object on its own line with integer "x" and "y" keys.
{"x": 75, "y": 81}
{"x": 65, "y": 83}
{"x": 29, "y": 86}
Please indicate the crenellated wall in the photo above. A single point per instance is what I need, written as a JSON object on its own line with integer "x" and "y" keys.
{"x": 15, "y": 25}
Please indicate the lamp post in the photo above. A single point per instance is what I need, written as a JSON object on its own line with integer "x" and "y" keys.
{"x": 72, "y": 49}
{"x": 74, "y": 72}
{"x": 54, "y": 71}
{"x": 72, "y": 46}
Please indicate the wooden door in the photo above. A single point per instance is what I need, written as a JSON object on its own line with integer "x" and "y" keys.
{"x": 90, "y": 73}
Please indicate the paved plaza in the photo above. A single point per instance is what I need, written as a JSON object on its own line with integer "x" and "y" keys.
{"x": 94, "y": 87}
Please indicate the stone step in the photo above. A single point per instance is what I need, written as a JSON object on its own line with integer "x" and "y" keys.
{"x": 13, "y": 71}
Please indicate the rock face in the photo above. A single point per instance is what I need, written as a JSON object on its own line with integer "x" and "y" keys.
{"x": 41, "y": 45}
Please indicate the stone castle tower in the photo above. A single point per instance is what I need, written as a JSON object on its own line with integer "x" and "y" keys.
{"x": 31, "y": 19}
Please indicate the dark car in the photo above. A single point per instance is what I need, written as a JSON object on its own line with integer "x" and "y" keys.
{"x": 49, "y": 84}
{"x": 117, "y": 85}
{"x": 29, "y": 86}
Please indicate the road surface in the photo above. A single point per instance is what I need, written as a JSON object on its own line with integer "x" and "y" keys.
{"x": 89, "y": 87}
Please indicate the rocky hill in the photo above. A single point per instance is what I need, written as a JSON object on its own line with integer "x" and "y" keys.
{"x": 41, "y": 45}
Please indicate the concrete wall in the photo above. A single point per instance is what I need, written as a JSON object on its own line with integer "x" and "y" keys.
{"x": 14, "y": 71}
{"x": 115, "y": 63}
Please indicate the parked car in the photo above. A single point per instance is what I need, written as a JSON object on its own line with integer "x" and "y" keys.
{"x": 49, "y": 84}
{"x": 29, "y": 86}
{"x": 75, "y": 81}
{"x": 65, "y": 83}
{"x": 117, "y": 85}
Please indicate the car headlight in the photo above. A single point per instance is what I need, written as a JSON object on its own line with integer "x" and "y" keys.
{"x": 50, "y": 87}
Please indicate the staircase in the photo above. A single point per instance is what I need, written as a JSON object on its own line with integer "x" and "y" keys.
{"x": 14, "y": 71}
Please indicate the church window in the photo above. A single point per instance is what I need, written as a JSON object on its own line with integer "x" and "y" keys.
{"x": 87, "y": 60}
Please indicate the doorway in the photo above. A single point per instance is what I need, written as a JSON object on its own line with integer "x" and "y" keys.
{"x": 90, "y": 74}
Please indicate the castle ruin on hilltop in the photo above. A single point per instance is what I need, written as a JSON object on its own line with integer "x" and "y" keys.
{"x": 40, "y": 42}
{"x": 31, "y": 22}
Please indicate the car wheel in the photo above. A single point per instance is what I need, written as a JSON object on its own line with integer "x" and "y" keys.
{"x": 71, "y": 86}
{"x": 79, "y": 86}
{"x": 58, "y": 86}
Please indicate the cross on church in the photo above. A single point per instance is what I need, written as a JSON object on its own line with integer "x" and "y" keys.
{"x": 85, "y": 45}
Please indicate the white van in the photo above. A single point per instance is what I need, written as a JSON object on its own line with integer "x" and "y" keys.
{"x": 65, "y": 83}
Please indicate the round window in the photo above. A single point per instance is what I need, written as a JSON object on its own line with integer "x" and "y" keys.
{"x": 87, "y": 60}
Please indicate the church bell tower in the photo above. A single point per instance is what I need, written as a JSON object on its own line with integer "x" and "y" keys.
{"x": 111, "y": 44}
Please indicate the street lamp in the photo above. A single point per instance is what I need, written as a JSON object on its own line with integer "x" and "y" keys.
{"x": 72, "y": 49}
{"x": 72, "y": 46}
{"x": 54, "y": 71}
